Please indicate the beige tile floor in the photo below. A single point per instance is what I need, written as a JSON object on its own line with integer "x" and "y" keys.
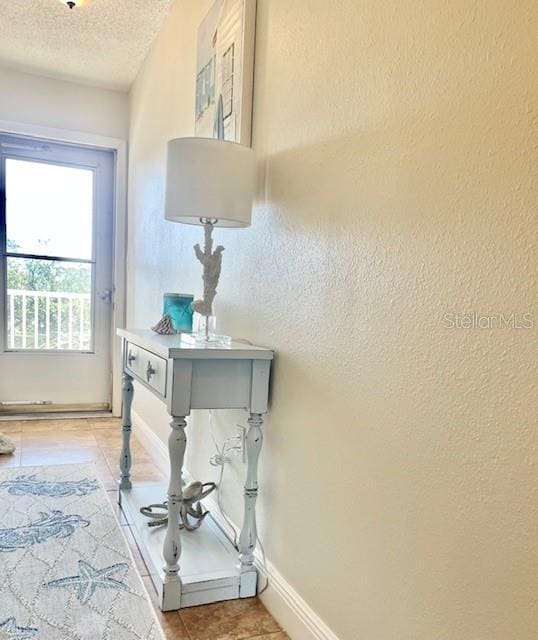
{"x": 98, "y": 440}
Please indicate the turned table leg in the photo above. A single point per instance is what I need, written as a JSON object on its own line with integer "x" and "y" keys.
{"x": 125, "y": 457}
{"x": 247, "y": 538}
{"x": 177, "y": 443}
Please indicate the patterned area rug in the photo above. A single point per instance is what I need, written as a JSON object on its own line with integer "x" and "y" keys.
{"x": 65, "y": 569}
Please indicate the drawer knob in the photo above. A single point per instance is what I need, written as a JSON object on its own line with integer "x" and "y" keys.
{"x": 149, "y": 371}
{"x": 130, "y": 358}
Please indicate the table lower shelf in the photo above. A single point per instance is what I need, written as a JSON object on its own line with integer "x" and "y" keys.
{"x": 209, "y": 563}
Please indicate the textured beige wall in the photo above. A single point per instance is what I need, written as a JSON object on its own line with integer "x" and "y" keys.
{"x": 31, "y": 99}
{"x": 397, "y": 146}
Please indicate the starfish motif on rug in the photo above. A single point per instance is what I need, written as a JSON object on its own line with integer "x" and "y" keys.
{"x": 10, "y": 631}
{"x": 89, "y": 579}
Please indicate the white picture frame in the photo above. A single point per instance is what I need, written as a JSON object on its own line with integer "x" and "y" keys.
{"x": 225, "y": 71}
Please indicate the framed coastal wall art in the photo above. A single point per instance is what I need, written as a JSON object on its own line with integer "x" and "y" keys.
{"x": 225, "y": 70}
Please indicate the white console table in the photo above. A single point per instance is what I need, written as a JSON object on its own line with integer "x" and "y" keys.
{"x": 201, "y": 566}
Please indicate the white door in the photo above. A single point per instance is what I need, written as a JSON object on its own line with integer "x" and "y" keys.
{"x": 56, "y": 212}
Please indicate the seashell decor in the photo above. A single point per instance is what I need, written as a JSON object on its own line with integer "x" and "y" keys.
{"x": 6, "y": 445}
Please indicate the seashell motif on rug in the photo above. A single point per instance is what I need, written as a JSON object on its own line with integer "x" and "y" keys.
{"x": 65, "y": 568}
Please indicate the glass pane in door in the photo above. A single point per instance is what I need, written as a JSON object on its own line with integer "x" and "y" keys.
{"x": 49, "y": 209}
{"x": 49, "y": 305}
{"x": 49, "y": 214}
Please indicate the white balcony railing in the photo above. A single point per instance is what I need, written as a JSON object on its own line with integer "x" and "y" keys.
{"x": 48, "y": 320}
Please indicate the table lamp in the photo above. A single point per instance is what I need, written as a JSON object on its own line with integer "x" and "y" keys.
{"x": 211, "y": 183}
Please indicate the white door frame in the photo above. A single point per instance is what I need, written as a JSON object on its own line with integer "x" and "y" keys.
{"x": 119, "y": 147}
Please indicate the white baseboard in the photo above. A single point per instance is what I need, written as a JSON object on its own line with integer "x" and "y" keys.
{"x": 283, "y": 602}
{"x": 151, "y": 443}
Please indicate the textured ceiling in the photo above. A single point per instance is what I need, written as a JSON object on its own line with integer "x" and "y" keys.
{"x": 103, "y": 42}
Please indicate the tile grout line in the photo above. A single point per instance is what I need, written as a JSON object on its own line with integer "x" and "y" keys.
{"x": 189, "y": 636}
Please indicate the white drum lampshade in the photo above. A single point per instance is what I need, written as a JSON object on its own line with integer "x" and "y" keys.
{"x": 209, "y": 179}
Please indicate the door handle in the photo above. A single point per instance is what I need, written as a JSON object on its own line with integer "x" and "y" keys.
{"x": 106, "y": 296}
{"x": 149, "y": 371}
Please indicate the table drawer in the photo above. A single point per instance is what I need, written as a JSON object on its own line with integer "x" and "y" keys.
{"x": 146, "y": 366}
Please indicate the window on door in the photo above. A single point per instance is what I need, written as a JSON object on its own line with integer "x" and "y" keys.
{"x": 49, "y": 258}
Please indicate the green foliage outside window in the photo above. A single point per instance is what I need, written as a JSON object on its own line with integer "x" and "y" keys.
{"x": 54, "y": 324}
{"x": 46, "y": 275}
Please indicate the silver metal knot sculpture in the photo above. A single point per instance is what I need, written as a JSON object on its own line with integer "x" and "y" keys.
{"x": 190, "y": 507}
